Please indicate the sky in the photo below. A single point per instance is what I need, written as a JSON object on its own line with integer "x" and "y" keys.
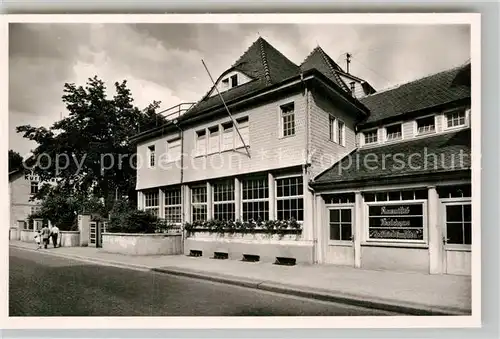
{"x": 162, "y": 62}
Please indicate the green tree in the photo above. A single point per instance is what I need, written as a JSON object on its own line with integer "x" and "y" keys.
{"x": 15, "y": 161}
{"x": 95, "y": 138}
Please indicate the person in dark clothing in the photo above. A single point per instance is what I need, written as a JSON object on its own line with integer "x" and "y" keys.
{"x": 45, "y": 236}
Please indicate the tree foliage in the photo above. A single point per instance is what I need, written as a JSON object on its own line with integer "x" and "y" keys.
{"x": 80, "y": 149}
{"x": 15, "y": 161}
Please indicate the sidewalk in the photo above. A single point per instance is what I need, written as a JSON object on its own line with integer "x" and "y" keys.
{"x": 409, "y": 293}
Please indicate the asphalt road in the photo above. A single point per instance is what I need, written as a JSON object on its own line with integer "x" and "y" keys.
{"x": 45, "y": 285}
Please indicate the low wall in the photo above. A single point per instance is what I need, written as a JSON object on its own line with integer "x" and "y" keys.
{"x": 14, "y": 233}
{"x": 142, "y": 244}
{"x": 27, "y": 236}
{"x": 69, "y": 238}
{"x": 395, "y": 259}
{"x": 267, "y": 247}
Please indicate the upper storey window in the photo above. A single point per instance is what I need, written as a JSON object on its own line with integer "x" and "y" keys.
{"x": 455, "y": 119}
{"x": 426, "y": 125}
{"x": 394, "y": 132}
{"x": 288, "y": 120}
{"x": 371, "y": 137}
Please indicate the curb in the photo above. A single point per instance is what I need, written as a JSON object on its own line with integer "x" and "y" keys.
{"x": 311, "y": 293}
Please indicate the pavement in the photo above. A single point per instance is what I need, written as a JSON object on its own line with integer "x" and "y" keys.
{"x": 401, "y": 292}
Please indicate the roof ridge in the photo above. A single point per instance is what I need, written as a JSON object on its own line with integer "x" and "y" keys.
{"x": 330, "y": 67}
{"x": 263, "y": 56}
{"x": 428, "y": 75}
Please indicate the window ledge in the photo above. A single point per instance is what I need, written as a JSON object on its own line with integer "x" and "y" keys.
{"x": 457, "y": 248}
{"x": 340, "y": 243}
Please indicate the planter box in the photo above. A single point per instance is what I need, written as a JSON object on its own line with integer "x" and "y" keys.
{"x": 258, "y": 243}
{"x": 69, "y": 238}
{"x": 255, "y": 234}
{"x": 142, "y": 244}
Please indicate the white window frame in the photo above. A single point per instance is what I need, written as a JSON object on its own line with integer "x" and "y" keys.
{"x": 415, "y": 126}
{"x": 243, "y": 124}
{"x": 450, "y": 202}
{"x": 32, "y": 184}
{"x": 466, "y": 112}
{"x": 341, "y": 131}
{"x": 288, "y": 197}
{"x": 282, "y": 116}
{"x": 214, "y": 140}
{"x": 152, "y": 207}
{"x": 169, "y": 148}
{"x": 268, "y": 199}
{"x": 228, "y": 131}
{"x": 386, "y": 135}
{"x": 191, "y": 204}
{"x": 165, "y": 194}
{"x": 224, "y": 202}
{"x": 152, "y": 155}
{"x": 337, "y": 206}
{"x": 200, "y": 152}
{"x": 366, "y": 233}
{"x": 332, "y": 126}
{"x": 365, "y": 133}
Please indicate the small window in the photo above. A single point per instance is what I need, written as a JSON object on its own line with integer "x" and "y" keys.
{"x": 455, "y": 119}
{"x": 394, "y": 132}
{"x": 371, "y": 137}
{"x": 227, "y": 136}
{"x": 353, "y": 87}
{"x": 244, "y": 129}
{"x": 459, "y": 224}
{"x": 34, "y": 187}
{"x": 234, "y": 80}
{"x": 213, "y": 142}
{"x": 151, "y": 150}
{"x": 201, "y": 142}
{"x": 288, "y": 119}
{"x": 341, "y": 132}
{"x": 225, "y": 83}
{"x": 341, "y": 224}
{"x": 332, "y": 128}
{"x": 174, "y": 149}
{"x": 426, "y": 125}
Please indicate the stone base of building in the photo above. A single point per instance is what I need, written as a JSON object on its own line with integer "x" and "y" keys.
{"x": 265, "y": 250}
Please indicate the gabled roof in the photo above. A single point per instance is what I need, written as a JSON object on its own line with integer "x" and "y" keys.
{"x": 431, "y": 91}
{"x": 376, "y": 163}
{"x": 261, "y": 62}
{"x": 321, "y": 61}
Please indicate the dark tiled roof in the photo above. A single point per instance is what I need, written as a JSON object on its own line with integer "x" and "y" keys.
{"x": 434, "y": 90}
{"x": 319, "y": 60}
{"x": 263, "y": 63}
{"x": 367, "y": 163}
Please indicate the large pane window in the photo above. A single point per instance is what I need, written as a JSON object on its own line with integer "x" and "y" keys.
{"x": 199, "y": 203}
{"x": 459, "y": 223}
{"x": 341, "y": 224}
{"x": 255, "y": 199}
{"x": 173, "y": 206}
{"x": 224, "y": 203}
{"x": 289, "y": 198}
{"x": 151, "y": 202}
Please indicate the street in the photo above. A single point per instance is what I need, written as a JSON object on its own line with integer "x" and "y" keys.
{"x": 45, "y": 285}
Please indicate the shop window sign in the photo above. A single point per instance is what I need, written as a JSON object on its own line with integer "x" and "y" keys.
{"x": 396, "y": 222}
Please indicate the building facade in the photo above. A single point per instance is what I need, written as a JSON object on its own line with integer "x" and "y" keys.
{"x": 296, "y": 126}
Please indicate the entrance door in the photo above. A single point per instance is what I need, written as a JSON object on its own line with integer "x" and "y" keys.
{"x": 457, "y": 236}
{"x": 340, "y": 249}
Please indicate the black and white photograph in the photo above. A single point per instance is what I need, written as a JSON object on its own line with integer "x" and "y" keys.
{"x": 305, "y": 167}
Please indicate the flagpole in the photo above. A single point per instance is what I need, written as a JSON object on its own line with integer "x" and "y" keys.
{"x": 227, "y": 109}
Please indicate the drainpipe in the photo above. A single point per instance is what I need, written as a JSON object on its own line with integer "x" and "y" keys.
{"x": 315, "y": 233}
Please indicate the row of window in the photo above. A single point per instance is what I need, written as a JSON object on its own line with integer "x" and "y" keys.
{"x": 424, "y": 125}
{"x": 222, "y": 137}
{"x": 458, "y": 214}
{"x": 254, "y": 201}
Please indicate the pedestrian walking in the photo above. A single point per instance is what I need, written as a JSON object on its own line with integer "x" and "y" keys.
{"x": 54, "y": 233}
{"x": 38, "y": 239}
{"x": 45, "y": 236}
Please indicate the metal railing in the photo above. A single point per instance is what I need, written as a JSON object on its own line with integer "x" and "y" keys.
{"x": 176, "y": 111}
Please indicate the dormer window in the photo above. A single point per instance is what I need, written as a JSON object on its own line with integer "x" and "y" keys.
{"x": 225, "y": 83}
{"x": 455, "y": 119}
{"x": 394, "y": 132}
{"x": 234, "y": 80}
{"x": 371, "y": 137}
{"x": 426, "y": 125}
